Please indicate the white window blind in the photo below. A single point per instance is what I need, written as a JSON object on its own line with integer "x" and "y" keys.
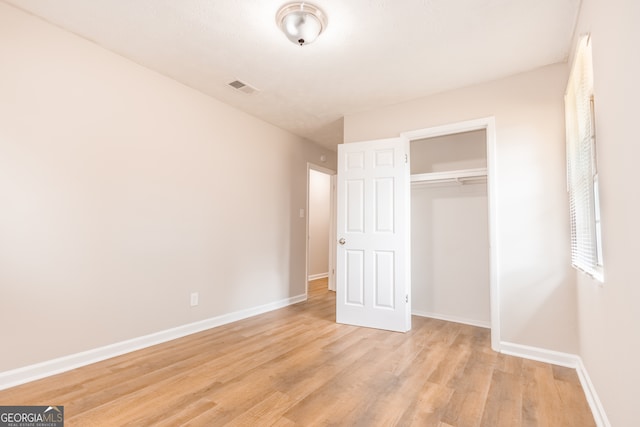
{"x": 582, "y": 174}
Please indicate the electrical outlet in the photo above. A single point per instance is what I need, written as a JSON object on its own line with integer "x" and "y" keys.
{"x": 194, "y": 299}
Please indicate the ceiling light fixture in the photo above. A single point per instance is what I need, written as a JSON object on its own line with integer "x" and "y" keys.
{"x": 301, "y": 22}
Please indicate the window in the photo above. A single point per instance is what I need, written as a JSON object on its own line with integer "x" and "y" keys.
{"x": 582, "y": 171}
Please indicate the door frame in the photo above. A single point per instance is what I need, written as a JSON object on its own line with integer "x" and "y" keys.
{"x": 489, "y": 125}
{"x": 332, "y": 227}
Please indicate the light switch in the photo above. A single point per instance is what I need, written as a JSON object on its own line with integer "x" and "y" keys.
{"x": 301, "y": 213}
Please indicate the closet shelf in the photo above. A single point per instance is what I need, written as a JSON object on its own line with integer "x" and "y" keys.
{"x": 459, "y": 176}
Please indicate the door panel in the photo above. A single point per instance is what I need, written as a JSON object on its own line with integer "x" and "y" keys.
{"x": 355, "y": 278}
{"x": 384, "y": 285}
{"x": 373, "y": 259}
{"x": 384, "y": 192}
{"x": 355, "y": 208}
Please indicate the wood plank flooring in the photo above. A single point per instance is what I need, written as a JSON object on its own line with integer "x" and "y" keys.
{"x": 297, "y": 367}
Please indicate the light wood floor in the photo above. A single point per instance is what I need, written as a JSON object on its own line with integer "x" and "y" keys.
{"x": 297, "y": 367}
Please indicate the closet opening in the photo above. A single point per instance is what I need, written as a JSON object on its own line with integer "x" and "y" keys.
{"x": 450, "y": 228}
{"x": 453, "y": 253}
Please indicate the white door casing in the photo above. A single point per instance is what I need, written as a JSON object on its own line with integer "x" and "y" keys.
{"x": 373, "y": 268}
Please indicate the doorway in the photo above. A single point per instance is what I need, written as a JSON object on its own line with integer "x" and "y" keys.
{"x": 450, "y": 228}
{"x": 487, "y": 125}
{"x": 320, "y": 257}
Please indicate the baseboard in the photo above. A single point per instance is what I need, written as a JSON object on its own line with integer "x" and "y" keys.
{"x": 317, "y": 276}
{"x": 455, "y": 319}
{"x": 567, "y": 360}
{"x": 595, "y": 404}
{"x": 540, "y": 354}
{"x": 40, "y": 370}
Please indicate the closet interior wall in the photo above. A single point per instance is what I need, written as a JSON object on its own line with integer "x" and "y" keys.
{"x": 450, "y": 228}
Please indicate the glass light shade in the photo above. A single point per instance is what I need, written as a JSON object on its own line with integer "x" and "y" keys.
{"x": 302, "y": 23}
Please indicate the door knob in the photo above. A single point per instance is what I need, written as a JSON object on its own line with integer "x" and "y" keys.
{"x": 342, "y": 241}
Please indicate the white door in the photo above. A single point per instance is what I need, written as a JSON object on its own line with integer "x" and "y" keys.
{"x": 373, "y": 270}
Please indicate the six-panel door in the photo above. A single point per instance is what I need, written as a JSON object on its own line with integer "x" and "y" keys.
{"x": 373, "y": 262}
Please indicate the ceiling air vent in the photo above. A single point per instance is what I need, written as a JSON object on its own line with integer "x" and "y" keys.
{"x": 242, "y": 87}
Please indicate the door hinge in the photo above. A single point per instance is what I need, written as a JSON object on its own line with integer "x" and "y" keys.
{"x": 406, "y": 158}
{"x": 406, "y": 298}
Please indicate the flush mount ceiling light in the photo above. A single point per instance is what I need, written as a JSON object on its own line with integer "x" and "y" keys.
{"x": 301, "y": 22}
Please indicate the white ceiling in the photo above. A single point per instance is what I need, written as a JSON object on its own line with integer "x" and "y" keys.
{"x": 373, "y": 52}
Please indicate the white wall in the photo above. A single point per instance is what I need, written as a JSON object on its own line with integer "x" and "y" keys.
{"x": 123, "y": 191}
{"x": 609, "y": 314}
{"x": 319, "y": 221}
{"x": 450, "y": 232}
{"x": 465, "y": 150}
{"x": 536, "y": 282}
{"x": 450, "y": 252}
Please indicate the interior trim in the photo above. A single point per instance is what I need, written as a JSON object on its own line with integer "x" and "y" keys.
{"x": 455, "y": 319}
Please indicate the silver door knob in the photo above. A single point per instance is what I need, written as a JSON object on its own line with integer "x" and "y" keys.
{"x": 342, "y": 241}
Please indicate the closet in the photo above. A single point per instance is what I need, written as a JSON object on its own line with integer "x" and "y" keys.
{"x": 450, "y": 228}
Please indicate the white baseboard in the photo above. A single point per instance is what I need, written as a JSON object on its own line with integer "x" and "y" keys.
{"x": 455, "y": 319}
{"x": 567, "y": 360}
{"x": 595, "y": 404}
{"x": 317, "y": 276}
{"x": 540, "y": 354}
{"x": 40, "y": 370}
